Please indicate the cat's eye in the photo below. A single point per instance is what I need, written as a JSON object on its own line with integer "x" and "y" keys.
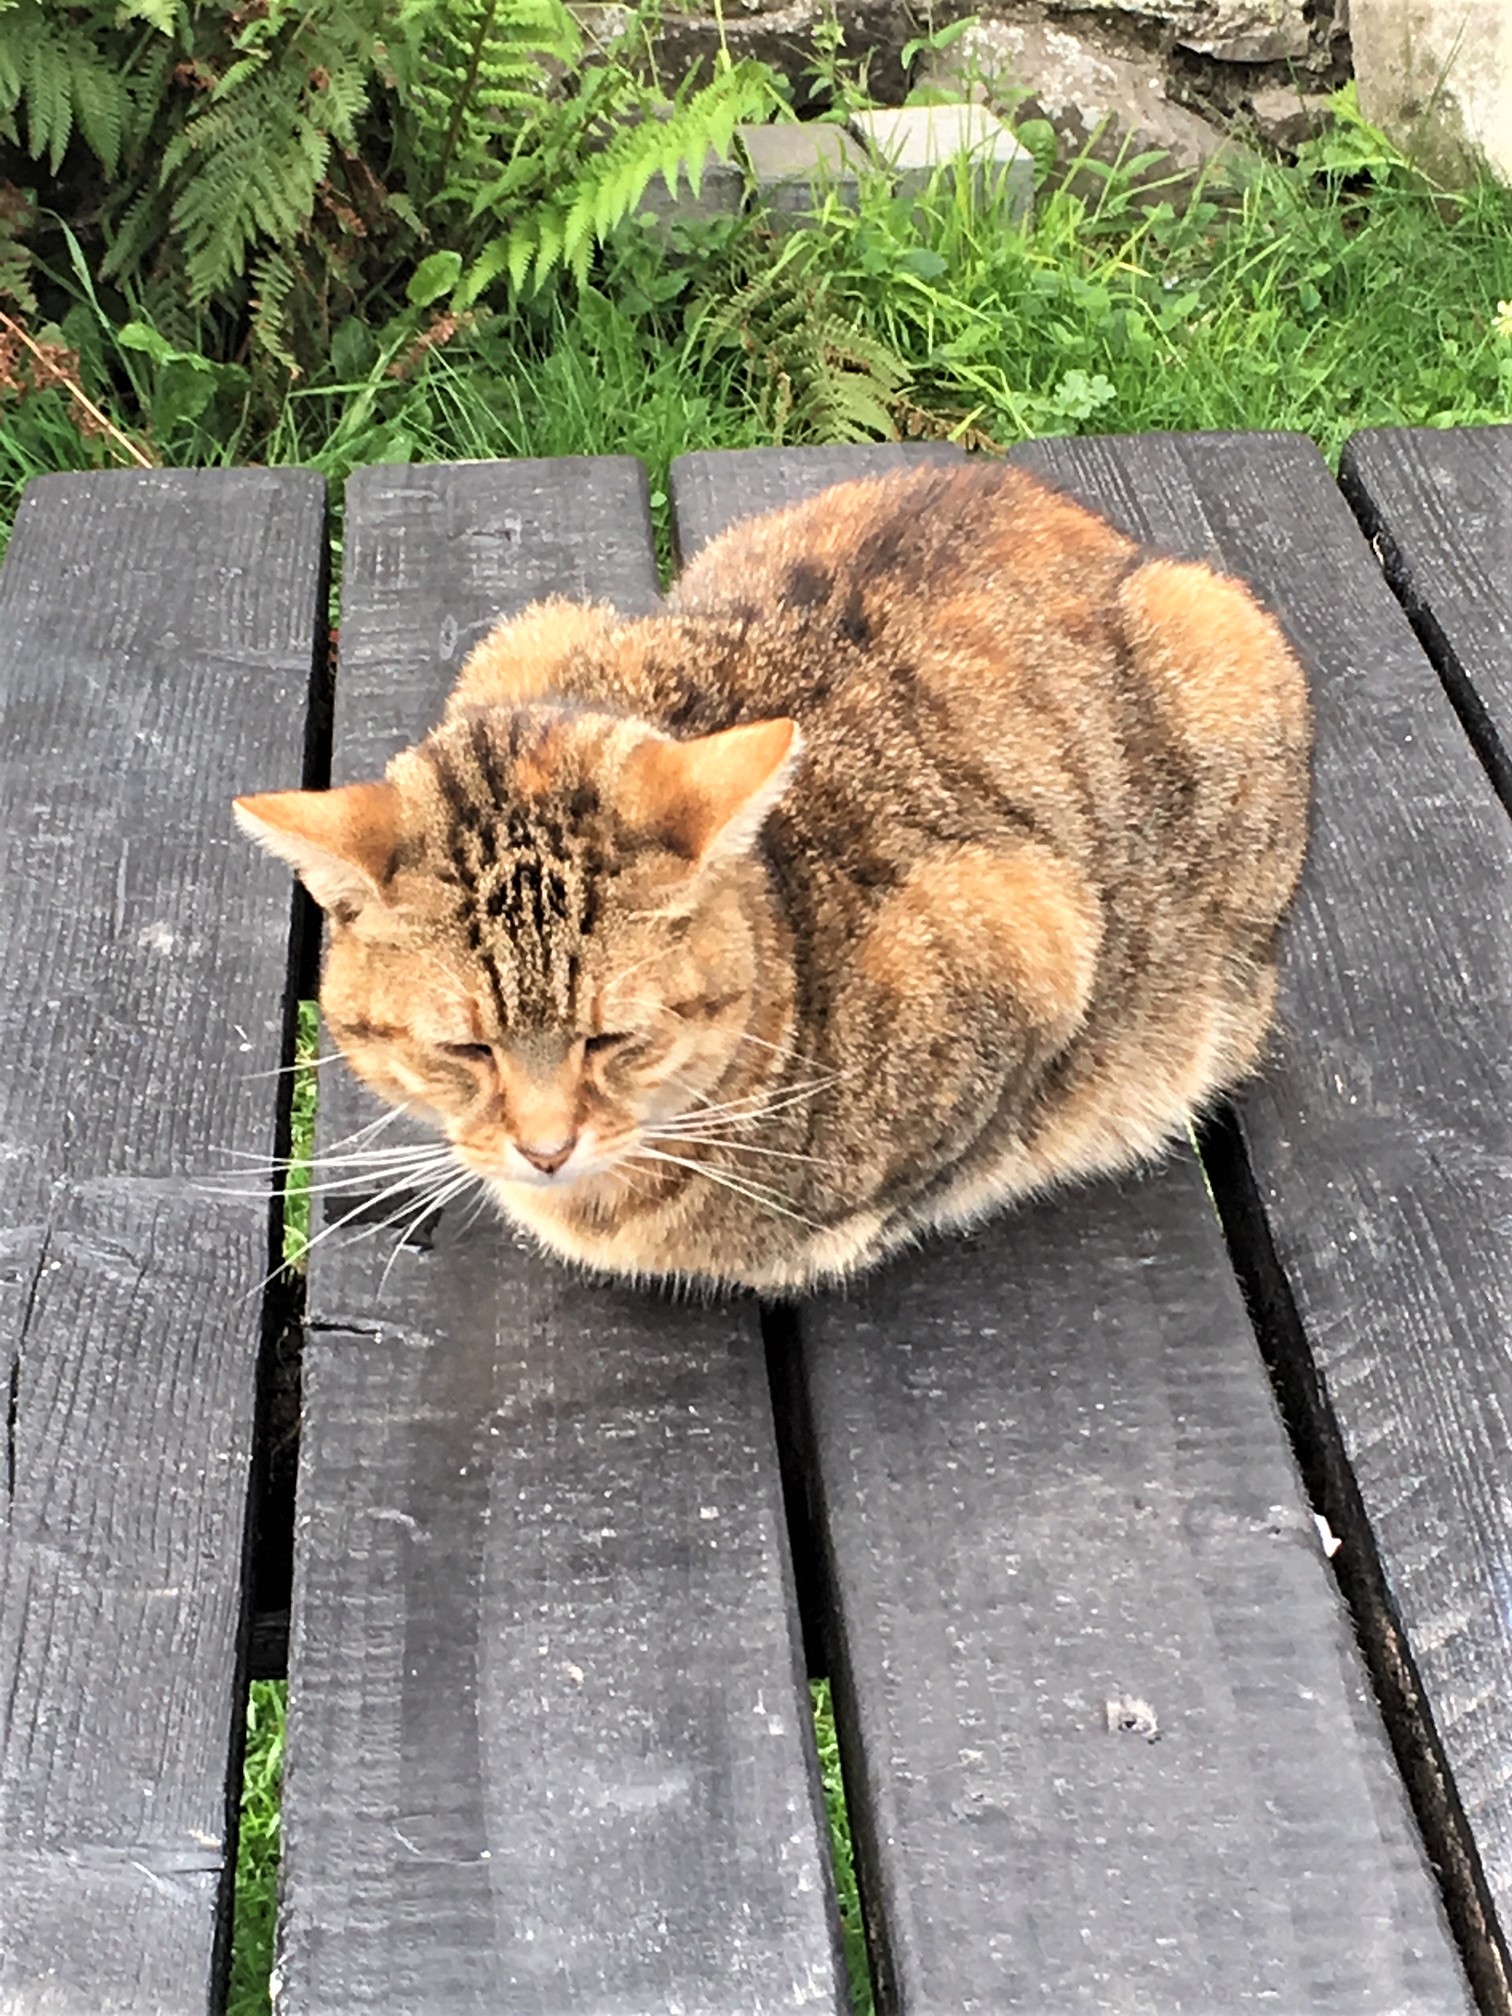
{"x": 605, "y": 1041}
{"x": 473, "y": 1053}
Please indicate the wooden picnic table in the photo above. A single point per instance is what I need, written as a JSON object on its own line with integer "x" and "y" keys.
{"x": 1117, "y": 1737}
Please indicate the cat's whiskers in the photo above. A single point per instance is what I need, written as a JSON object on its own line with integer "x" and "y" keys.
{"x": 435, "y": 1202}
{"x": 403, "y": 1190}
{"x": 742, "y": 1186}
{"x": 480, "y": 1204}
{"x": 619, "y": 1170}
{"x": 423, "y": 1163}
{"x": 754, "y": 1106}
{"x": 675, "y": 1133}
{"x": 784, "y": 1050}
{"x": 368, "y": 1131}
{"x": 353, "y": 1166}
{"x": 264, "y": 1162}
{"x": 292, "y": 1070}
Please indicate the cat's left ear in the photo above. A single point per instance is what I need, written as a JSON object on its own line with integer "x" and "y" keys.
{"x": 707, "y": 798}
{"x": 341, "y": 843}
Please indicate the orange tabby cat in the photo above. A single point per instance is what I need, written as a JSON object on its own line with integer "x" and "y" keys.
{"x": 928, "y": 848}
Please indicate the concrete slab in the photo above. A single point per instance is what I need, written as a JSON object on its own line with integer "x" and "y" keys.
{"x": 915, "y": 141}
{"x": 1437, "y": 75}
{"x": 796, "y": 166}
{"x": 721, "y": 193}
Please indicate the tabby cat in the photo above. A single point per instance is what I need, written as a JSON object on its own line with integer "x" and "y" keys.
{"x": 925, "y": 850}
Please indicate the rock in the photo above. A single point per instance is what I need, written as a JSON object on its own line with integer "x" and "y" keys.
{"x": 1040, "y": 71}
{"x": 1437, "y": 75}
{"x": 1249, "y": 31}
{"x": 721, "y": 193}
{"x": 914, "y": 141}
{"x": 795, "y": 166}
{"x": 1161, "y": 12}
{"x": 784, "y": 37}
{"x": 1285, "y": 117}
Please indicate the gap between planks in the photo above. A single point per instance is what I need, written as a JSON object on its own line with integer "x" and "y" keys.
{"x": 1334, "y": 1494}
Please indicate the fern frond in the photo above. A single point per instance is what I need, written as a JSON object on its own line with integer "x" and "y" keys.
{"x": 139, "y": 228}
{"x": 167, "y": 16}
{"x": 814, "y": 373}
{"x": 100, "y": 107}
{"x": 487, "y": 65}
{"x": 273, "y": 281}
{"x": 49, "y": 103}
{"x": 15, "y": 256}
{"x": 12, "y": 74}
{"x": 259, "y": 158}
{"x": 52, "y": 65}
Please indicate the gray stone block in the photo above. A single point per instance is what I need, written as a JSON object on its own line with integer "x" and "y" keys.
{"x": 1116, "y": 105}
{"x": 796, "y": 166}
{"x": 721, "y": 193}
{"x": 915, "y": 141}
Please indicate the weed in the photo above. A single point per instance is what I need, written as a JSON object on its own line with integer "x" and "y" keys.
{"x": 257, "y": 1852}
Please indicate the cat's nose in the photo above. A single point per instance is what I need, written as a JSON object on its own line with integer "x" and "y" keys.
{"x": 547, "y": 1160}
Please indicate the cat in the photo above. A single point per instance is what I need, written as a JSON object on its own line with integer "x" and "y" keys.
{"x": 926, "y": 849}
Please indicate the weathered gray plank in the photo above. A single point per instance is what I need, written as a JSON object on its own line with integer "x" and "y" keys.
{"x": 1056, "y": 1498}
{"x": 157, "y": 633}
{"x": 549, "y": 1746}
{"x": 1382, "y": 1137}
{"x": 1437, "y": 505}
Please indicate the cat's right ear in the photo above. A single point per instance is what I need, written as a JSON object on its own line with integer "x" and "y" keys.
{"x": 340, "y": 843}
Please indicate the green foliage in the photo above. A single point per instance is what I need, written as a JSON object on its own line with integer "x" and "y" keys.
{"x": 475, "y": 71}
{"x": 842, "y": 1856}
{"x": 55, "y": 77}
{"x": 303, "y": 1104}
{"x": 1349, "y": 147}
{"x": 815, "y": 371}
{"x": 836, "y": 78}
{"x": 16, "y": 220}
{"x": 257, "y": 1851}
{"x": 246, "y": 164}
{"x": 581, "y": 168}
{"x": 1323, "y": 303}
{"x": 270, "y": 168}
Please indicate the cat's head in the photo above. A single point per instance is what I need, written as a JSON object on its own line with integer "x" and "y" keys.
{"x": 543, "y": 925}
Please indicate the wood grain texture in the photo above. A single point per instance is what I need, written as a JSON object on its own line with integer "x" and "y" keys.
{"x": 550, "y": 1747}
{"x": 1109, "y": 1744}
{"x": 1436, "y": 504}
{"x": 1381, "y": 1136}
{"x": 157, "y": 633}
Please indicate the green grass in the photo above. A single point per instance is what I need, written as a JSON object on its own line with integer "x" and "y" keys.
{"x": 1303, "y": 303}
{"x": 841, "y": 1852}
{"x": 257, "y": 1852}
{"x": 303, "y": 1102}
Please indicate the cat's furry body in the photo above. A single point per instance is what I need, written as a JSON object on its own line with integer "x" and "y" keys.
{"x": 1001, "y": 911}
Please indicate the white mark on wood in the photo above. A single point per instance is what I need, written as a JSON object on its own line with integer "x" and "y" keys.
{"x": 1331, "y": 1543}
{"x": 1130, "y": 1714}
{"x": 156, "y": 937}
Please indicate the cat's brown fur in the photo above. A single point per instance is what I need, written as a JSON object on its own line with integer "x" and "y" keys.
{"x": 999, "y": 911}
